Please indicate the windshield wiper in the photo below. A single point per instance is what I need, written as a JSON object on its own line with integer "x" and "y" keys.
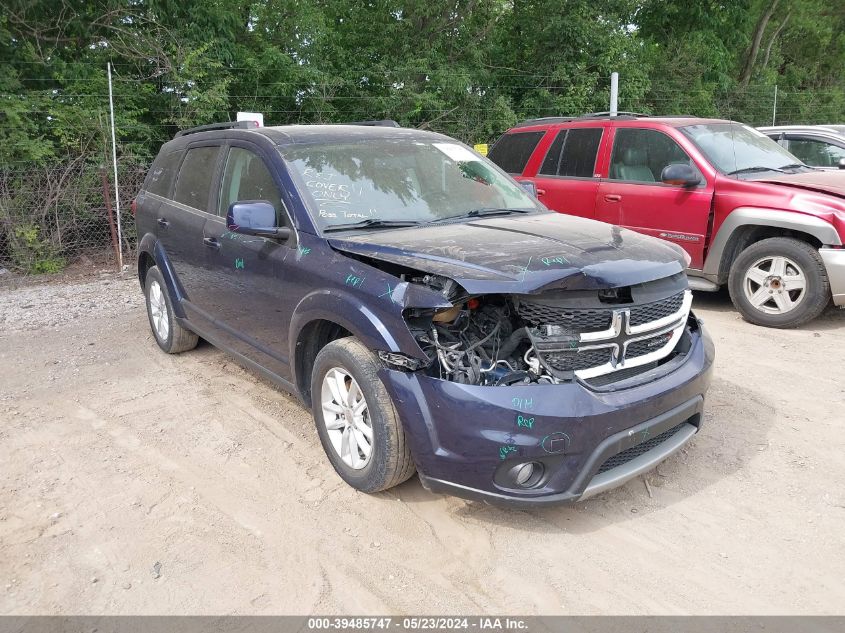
{"x": 370, "y": 223}
{"x": 483, "y": 212}
{"x": 748, "y": 170}
{"x": 793, "y": 166}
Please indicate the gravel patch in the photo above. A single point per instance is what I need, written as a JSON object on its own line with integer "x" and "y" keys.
{"x": 54, "y": 305}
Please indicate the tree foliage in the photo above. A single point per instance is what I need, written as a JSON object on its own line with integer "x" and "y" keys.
{"x": 469, "y": 68}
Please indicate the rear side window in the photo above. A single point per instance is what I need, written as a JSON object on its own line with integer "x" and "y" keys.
{"x": 195, "y": 176}
{"x": 162, "y": 173}
{"x": 512, "y": 151}
{"x": 573, "y": 153}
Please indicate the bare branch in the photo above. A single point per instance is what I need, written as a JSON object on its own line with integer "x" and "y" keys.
{"x": 774, "y": 38}
{"x": 751, "y": 57}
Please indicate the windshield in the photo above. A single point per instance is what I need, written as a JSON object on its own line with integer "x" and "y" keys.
{"x": 734, "y": 148}
{"x": 401, "y": 181}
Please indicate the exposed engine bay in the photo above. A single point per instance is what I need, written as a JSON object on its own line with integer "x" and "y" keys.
{"x": 482, "y": 342}
{"x": 552, "y": 337}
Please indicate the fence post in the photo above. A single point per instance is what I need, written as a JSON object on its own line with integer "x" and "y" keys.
{"x": 107, "y": 199}
{"x": 614, "y": 93}
{"x": 775, "y": 105}
{"x": 116, "y": 190}
{"x": 58, "y": 226}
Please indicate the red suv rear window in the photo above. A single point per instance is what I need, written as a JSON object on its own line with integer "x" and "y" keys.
{"x": 573, "y": 153}
{"x": 512, "y": 151}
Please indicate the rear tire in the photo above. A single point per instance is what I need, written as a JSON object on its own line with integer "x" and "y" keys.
{"x": 357, "y": 423}
{"x": 779, "y": 282}
{"x": 170, "y": 336}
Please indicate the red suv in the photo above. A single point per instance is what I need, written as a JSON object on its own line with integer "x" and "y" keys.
{"x": 748, "y": 213}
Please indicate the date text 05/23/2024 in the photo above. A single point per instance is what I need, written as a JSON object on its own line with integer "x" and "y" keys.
{"x": 417, "y": 623}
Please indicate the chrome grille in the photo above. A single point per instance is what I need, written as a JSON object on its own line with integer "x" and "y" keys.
{"x": 618, "y": 376}
{"x": 573, "y": 361}
{"x": 597, "y": 342}
{"x": 657, "y": 310}
{"x": 596, "y": 320}
{"x": 640, "y": 348}
{"x": 576, "y": 320}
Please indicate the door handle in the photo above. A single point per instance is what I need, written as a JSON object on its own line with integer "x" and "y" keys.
{"x": 211, "y": 242}
{"x": 612, "y": 197}
{"x": 541, "y": 192}
{"x": 162, "y": 222}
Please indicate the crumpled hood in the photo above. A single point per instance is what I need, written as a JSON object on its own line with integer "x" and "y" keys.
{"x": 521, "y": 254}
{"x": 829, "y": 182}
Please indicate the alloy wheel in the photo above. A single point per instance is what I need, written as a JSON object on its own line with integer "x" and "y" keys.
{"x": 158, "y": 311}
{"x": 347, "y": 418}
{"x": 774, "y": 285}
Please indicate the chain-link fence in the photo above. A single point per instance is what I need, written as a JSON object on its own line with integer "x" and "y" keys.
{"x": 55, "y": 215}
{"x": 52, "y": 216}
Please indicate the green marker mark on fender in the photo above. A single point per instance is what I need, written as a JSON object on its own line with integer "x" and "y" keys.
{"x": 239, "y": 263}
{"x": 303, "y": 250}
{"x": 389, "y": 293}
{"x": 354, "y": 281}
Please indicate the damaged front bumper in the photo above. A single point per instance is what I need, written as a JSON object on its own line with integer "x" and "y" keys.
{"x": 474, "y": 441}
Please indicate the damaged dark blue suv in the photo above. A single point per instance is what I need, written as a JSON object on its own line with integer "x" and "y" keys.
{"x": 433, "y": 315}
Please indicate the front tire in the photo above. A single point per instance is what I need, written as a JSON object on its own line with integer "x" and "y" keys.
{"x": 779, "y": 282}
{"x": 170, "y": 336}
{"x": 356, "y": 420}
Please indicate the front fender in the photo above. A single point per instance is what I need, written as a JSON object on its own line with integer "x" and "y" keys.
{"x": 152, "y": 247}
{"x": 364, "y": 320}
{"x": 823, "y": 231}
{"x": 351, "y": 313}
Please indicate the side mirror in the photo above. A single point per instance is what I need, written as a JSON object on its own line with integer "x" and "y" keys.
{"x": 842, "y": 163}
{"x": 680, "y": 174}
{"x": 254, "y": 217}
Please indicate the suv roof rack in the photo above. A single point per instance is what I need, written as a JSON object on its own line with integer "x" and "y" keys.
{"x": 546, "y": 119}
{"x": 607, "y": 115}
{"x": 374, "y": 123}
{"x": 230, "y": 125}
{"x": 620, "y": 116}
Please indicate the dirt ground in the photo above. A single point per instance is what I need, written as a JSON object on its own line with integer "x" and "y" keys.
{"x": 136, "y": 482}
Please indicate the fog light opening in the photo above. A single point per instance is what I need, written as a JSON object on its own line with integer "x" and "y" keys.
{"x": 527, "y": 474}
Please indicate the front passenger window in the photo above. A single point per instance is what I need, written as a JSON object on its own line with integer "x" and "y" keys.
{"x": 816, "y": 153}
{"x": 246, "y": 177}
{"x": 642, "y": 155}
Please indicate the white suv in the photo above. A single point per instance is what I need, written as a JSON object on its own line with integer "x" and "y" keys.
{"x": 821, "y": 146}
